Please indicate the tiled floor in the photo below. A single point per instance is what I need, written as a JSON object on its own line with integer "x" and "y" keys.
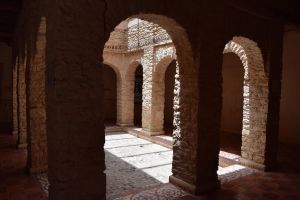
{"x": 283, "y": 184}
{"x": 133, "y": 165}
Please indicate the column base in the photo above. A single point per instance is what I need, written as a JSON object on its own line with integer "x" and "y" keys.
{"x": 206, "y": 187}
{"x": 182, "y": 184}
{"x": 22, "y": 146}
{"x": 252, "y": 164}
{"x": 125, "y": 124}
{"x": 202, "y": 189}
{"x": 15, "y": 133}
{"x": 152, "y": 133}
{"x": 37, "y": 170}
{"x": 113, "y": 129}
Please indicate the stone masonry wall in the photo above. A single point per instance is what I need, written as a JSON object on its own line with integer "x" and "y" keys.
{"x": 255, "y": 107}
{"x": 37, "y": 145}
{"x": 76, "y": 34}
{"x": 141, "y": 36}
{"x": 22, "y": 112}
{"x": 158, "y": 52}
{"x": 15, "y": 98}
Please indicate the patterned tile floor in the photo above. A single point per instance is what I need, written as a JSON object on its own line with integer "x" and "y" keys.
{"x": 283, "y": 184}
{"x": 134, "y": 164}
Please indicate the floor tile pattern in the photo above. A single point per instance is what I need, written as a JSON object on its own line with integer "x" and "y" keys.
{"x": 283, "y": 184}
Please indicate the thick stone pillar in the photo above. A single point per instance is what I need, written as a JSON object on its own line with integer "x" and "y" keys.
{"x": 184, "y": 171}
{"x": 22, "y": 116}
{"x": 74, "y": 99}
{"x": 153, "y": 117}
{"x": 15, "y": 99}
{"x": 209, "y": 62}
{"x": 274, "y": 65}
{"x": 209, "y": 115}
{"x": 37, "y": 138}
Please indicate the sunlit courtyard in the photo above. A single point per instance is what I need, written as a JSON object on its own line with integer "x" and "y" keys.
{"x": 133, "y": 163}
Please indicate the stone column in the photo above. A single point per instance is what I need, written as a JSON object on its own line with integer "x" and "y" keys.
{"x": 15, "y": 99}
{"x": 22, "y": 116}
{"x": 274, "y": 65}
{"x": 209, "y": 59}
{"x": 152, "y": 117}
{"x": 184, "y": 171}
{"x": 209, "y": 115}
{"x": 74, "y": 99}
{"x": 37, "y": 141}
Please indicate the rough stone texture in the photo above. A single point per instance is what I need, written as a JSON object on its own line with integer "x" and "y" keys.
{"x": 255, "y": 108}
{"x": 37, "y": 143}
{"x": 151, "y": 46}
{"x": 76, "y": 33}
{"x": 22, "y": 113}
{"x": 163, "y": 56}
{"x": 15, "y": 99}
{"x": 145, "y": 43}
{"x": 74, "y": 97}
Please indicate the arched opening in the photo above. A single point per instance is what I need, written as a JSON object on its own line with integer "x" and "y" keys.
{"x": 138, "y": 95}
{"x": 232, "y": 109}
{"x": 110, "y": 95}
{"x": 255, "y": 100}
{"x": 138, "y": 47}
{"x": 169, "y": 98}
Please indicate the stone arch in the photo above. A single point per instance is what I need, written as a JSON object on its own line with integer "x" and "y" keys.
{"x": 158, "y": 91}
{"x": 185, "y": 95}
{"x": 116, "y": 70}
{"x": 118, "y": 85}
{"x": 255, "y": 103}
{"x": 185, "y": 100}
{"x": 128, "y": 88}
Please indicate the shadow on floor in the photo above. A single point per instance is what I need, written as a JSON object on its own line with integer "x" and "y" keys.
{"x": 124, "y": 178}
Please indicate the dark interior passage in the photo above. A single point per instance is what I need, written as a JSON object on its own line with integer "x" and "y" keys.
{"x": 110, "y": 95}
{"x": 289, "y": 126}
{"x": 138, "y": 95}
{"x": 232, "y": 108}
{"x": 169, "y": 97}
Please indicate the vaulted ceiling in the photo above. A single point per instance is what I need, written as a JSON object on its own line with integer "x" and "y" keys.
{"x": 289, "y": 10}
{"x": 9, "y": 10}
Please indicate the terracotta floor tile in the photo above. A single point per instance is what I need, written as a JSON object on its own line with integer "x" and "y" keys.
{"x": 15, "y": 184}
{"x": 283, "y": 184}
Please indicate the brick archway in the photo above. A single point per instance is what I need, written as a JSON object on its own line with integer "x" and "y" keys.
{"x": 185, "y": 98}
{"x": 255, "y": 103}
{"x": 158, "y": 91}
